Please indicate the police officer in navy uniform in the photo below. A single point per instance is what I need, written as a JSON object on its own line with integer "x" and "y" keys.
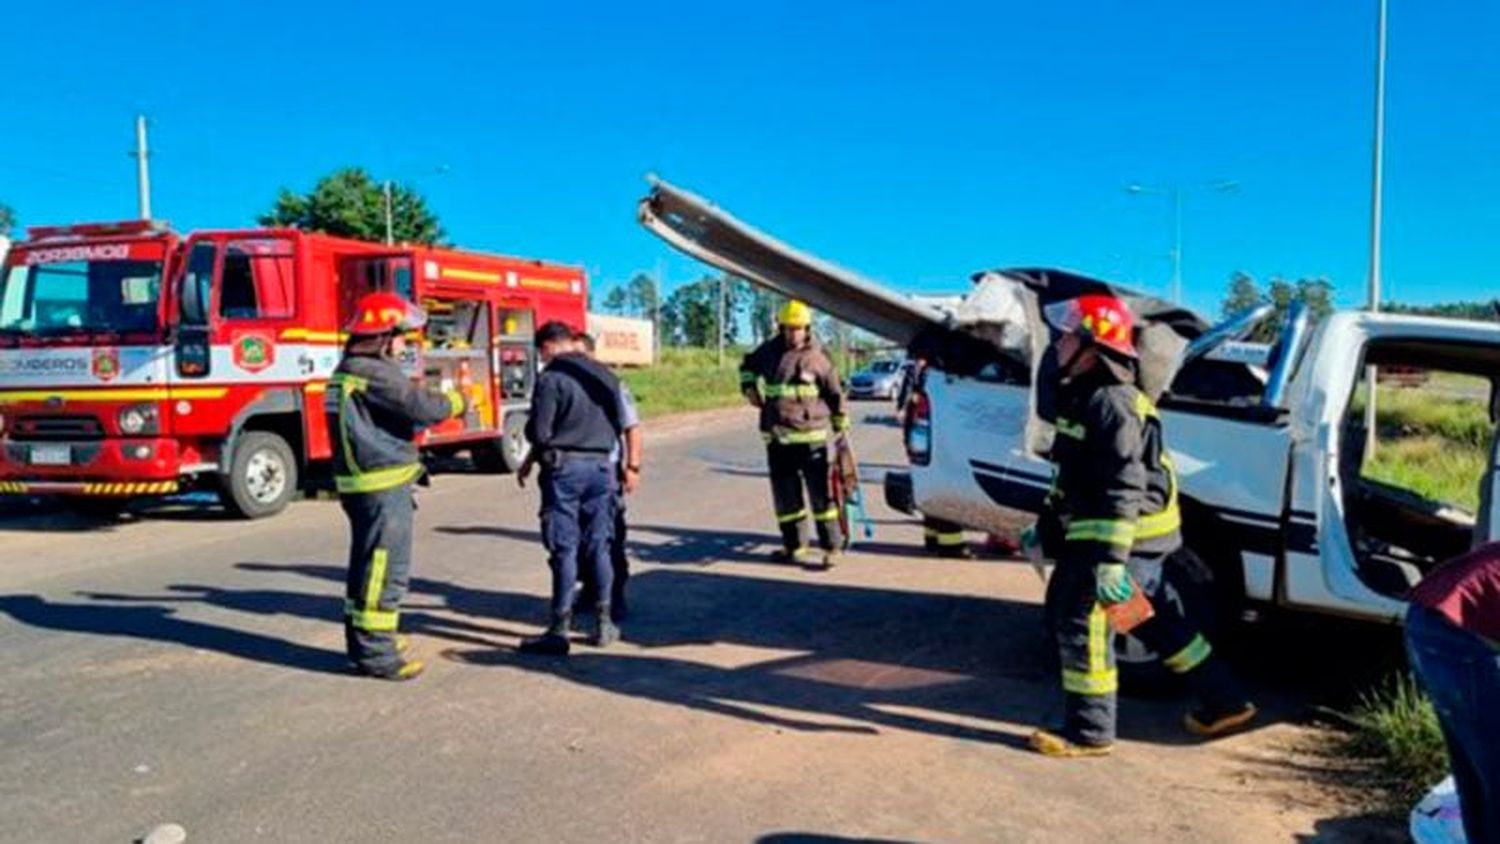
{"x": 1112, "y": 522}
{"x": 374, "y": 412}
{"x": 574, "y": 428}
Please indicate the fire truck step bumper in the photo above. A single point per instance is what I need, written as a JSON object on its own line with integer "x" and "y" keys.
{"x": 107, "y": 489}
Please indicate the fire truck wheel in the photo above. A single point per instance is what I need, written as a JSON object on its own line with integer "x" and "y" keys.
{"x": 262, "y": 477}
{"x": 507, "y": 453}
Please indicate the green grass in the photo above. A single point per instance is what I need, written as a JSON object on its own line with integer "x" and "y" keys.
{"x": 1395, "y": 724}
{"x": 686, "y": 380}
{"x": 1432, "y": 467}
{"x": 1433, "y": 440}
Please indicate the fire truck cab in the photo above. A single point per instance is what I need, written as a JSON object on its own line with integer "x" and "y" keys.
{"x": 134, "y": 362}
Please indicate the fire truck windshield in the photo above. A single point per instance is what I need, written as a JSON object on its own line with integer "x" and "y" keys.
{"x": 81, "y": 297}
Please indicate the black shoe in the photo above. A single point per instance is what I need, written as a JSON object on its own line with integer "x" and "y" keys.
{"x": 547, "y": 644}
{"x": 605, "y": 632}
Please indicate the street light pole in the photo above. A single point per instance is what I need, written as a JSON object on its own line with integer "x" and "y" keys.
{"x": 1176, "y": 244}
{"x": 1377, "y": 180}
{"x": 142, "y": 168}
{"x": 1175, "y": 194}
{"x": 389, "y": 238}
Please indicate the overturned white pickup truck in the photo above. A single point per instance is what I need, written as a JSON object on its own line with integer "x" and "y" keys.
{"x": 1268, "y": 441}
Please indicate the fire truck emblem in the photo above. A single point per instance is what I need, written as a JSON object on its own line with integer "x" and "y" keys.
{"x": 254, "y": 353}
{"x": 106, "y": 364}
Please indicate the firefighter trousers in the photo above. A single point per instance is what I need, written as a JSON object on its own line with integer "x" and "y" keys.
{"x": 794, "y": 466}
{"x": 1086, "y": 647}
{"x": 380, "y": 537}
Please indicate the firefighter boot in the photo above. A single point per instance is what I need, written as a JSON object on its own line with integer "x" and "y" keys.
{"x": 605, "y": 631}
{"x": 832, "y": 557}
{"x": 794, "y": 556}
{"x": 552, "y": 643}
{"x": 406, "y": 669}
{"x": 1222, "y": 707}
{"x": 1052, "y": 743}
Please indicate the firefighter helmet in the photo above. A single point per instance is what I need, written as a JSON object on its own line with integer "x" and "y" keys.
{"x": 795, "y": 314}
{"x": 1099, "y": 317}
{"x": 384, "y": 313}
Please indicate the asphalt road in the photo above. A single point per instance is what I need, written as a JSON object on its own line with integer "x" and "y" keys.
{"x": 183, "y": 668}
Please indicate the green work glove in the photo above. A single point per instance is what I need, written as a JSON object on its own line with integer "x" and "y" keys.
{"x": 1112, "y": 583}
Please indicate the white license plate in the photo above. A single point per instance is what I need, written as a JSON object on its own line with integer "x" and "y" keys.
{"x": 51, "y": 455}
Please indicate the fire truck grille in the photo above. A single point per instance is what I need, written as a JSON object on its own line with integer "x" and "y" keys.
{"x": 57, "y": 428}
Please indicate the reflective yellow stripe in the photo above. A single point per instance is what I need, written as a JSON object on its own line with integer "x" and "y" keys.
{"x": 1166, "y": 522}
{"x": 1100, "y": 678}
{"x": 1069, "y": 428}
{"x": 1090, "y": 683}
{"x": 790, "y": 391}
{"x": 949, "y": 538}
{"x": 827, "y": 515}
{"x": 350, "y": 383}
{"x": 1108, "y": 531}
{"x": 376, "y": 584}
{"x": 1144, "y": 408}
{"x": 1099, "y": 643}
{"x": 378, "y": 480}
{"x": 116, "y": 394}
{"x": 803, "y": 437}
{"x": 792, "y": 517}
{"x": 1189, "y": 657}
{"x": 748, "y": 378}
{"x": 374, "y": 621}
{"x": 455, "y": 403}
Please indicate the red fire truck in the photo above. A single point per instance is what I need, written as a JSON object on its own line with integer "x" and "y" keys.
{"x": 135, "y": 362}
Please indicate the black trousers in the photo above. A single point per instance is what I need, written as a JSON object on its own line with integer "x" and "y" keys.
{"x": 380, "y": 531}
{"x": 794, "y": 467}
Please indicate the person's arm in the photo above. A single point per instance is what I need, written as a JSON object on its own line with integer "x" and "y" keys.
{"x": 1102, "y": 528}
{"x": 541, "y": 423}
{"x": 394, "y": 393}
{"x": 750, "y": 378}
{"x": 630, "y": 418}
{"x": 832, "y": 393}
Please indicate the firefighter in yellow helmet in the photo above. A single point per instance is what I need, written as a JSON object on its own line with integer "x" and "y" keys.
{"x": 374, "y": 410}
{"x": 796, "y": 387}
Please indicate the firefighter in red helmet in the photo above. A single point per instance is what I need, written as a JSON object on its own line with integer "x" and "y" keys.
{"x": 1112, "y": 522}
{"x": 374, "y": 412}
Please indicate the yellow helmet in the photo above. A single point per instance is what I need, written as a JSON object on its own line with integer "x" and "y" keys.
{"x": 795, "y": 315}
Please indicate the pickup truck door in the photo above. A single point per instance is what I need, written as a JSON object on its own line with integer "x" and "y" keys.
{"x": 1320, "y": 570}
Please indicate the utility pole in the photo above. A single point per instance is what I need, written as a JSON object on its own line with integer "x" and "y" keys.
{"x": 142, "y": 168}
{"x": 722, "y": 280}
{"x": 1377, "y": 179}
{"x": 658, "y": 285}
{"x": 389, "y": 236}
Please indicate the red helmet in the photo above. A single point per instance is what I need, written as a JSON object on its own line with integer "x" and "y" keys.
{"x": 1101, "y": 318}
{"x": 383, "y": 313}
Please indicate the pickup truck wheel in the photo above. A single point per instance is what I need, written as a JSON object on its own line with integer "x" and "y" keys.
{"x": 262, "y": 476}
{"x": 1188, "y": 584}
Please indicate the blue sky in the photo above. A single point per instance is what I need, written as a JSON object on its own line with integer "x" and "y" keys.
{"x": 915, "y": 143}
